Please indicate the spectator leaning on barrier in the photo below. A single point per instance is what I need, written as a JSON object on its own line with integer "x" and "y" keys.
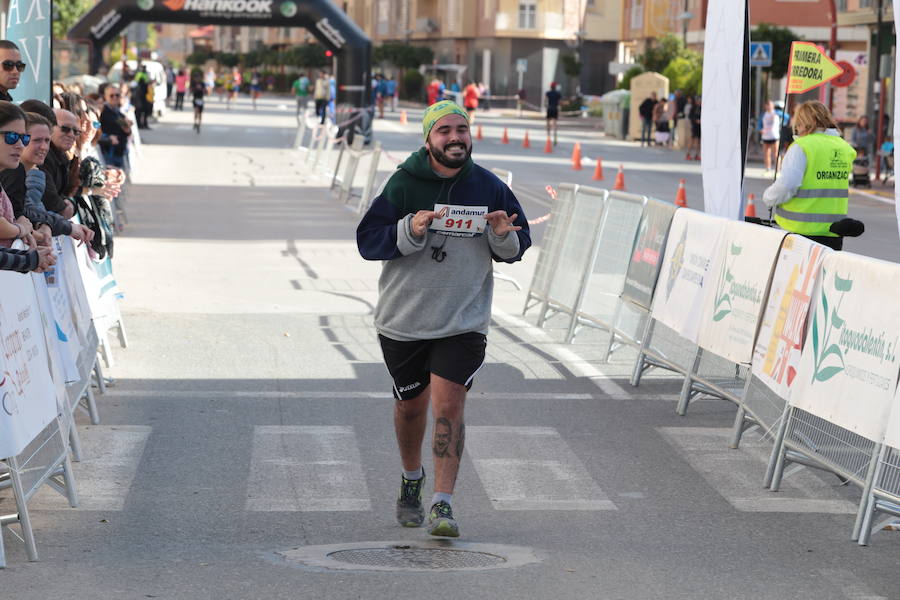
{"x": 435, "y": 290}
{"x": 14, "y": 140}
{"x": 115, "y": 127}
{"x": 12, "y": 68}
{"x": 57, "y": 163}
{"x": 25, "y": 184}
{"x": 810, "y": 197}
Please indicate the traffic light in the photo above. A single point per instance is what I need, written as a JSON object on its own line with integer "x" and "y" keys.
{"x": 329, "y": 53}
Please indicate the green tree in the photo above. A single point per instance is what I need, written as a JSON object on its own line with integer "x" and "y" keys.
{"x": 657, "y": 58}
{"x": 66, "y": 14}
{"x": 308, "y": 56}
{"x": 685, "y": 72}
{"x": 634, "y": 71}
{"x": 402, "y": 55}
{"x": 781, "y": 38}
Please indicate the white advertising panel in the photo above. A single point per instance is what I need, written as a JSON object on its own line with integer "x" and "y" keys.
{"x": 720, "y": 148}
{"x": 892, "y": 435}
{"x": 27, "y": 397}
{"x": 693, "y": 242}
{"x": 57, "y": 310}
{"x": 75, "y": 288}
{"x": 776, "y": 355}
{"x": 848, "y": 368}
{"x": 740, "y": 277}
{"x": 60, "y": 362}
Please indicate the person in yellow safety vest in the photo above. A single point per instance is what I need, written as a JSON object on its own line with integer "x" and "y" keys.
{"x": 811, "y": 195}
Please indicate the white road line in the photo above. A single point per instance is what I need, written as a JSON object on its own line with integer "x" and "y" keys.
{"x": 737, "y": 474}
{"x": 306, "y": 469}
{"x": 110, "y": 458}
{"x": 566, "y": 355}
{"x": 532, "y": 468}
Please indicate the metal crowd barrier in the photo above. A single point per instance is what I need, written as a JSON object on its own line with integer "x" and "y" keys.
{"x": 611, "y": 254}
{"x": 549, "y": 258}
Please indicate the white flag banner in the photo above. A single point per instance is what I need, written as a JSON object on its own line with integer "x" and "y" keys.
{"x": 720, "y": 146}
{"x": 27, "y": 397}
{"x": 776, "y": 355}
{"x": 694, "y": 239}
{"x": 849, "y": 365}
{"x": 740, "y": 277}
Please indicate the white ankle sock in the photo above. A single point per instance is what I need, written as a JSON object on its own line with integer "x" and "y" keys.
{"x": 413, "y": 475}
{"x": 442, "y": 497}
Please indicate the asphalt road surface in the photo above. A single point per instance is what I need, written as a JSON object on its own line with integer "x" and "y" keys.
{"x": 246, "y": 449}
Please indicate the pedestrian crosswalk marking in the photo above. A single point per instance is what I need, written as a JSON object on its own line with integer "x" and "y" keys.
{"x": 110, "y": 459}
{"x": 306, "y": 469}
{"x": 737, "y": 475}
{"x": 532, "y": 468}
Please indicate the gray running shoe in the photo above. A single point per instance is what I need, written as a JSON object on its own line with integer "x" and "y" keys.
{"x": 409, "y": 502}
{"x": 441, "y": 521}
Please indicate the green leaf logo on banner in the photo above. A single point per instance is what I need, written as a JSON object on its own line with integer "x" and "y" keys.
{"x": 832, "y": 323}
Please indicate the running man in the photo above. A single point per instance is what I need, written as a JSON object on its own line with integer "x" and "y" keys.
{"x": 437, "y": 224}
{"x": 301, "y": 91}
{"x": 553, "y": 98}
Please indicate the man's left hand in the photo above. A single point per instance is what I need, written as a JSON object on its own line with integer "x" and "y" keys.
{"x": 501, "y": 223}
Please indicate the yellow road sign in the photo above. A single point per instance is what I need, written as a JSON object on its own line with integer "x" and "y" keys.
{"x": 809, "y": 68}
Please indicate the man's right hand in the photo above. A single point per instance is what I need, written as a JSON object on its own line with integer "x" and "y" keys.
{"x": 422, "y": 219}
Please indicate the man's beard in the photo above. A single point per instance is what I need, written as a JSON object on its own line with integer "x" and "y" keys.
{"x": 451, "y": 163}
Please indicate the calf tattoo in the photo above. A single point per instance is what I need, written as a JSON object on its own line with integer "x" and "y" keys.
{"x": 443, "y": 433}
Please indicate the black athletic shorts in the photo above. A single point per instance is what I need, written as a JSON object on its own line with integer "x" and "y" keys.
{"x": 552, "y": 113}
{"x": 410, "y": 364}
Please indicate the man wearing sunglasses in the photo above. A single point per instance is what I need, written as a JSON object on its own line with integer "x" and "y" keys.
{"x": 11, "y": 68}
{"x": 116, "y": 128}
{"x": 56, "y": 164}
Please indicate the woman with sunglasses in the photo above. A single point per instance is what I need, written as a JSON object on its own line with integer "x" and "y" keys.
{"x": 12, "y": 132}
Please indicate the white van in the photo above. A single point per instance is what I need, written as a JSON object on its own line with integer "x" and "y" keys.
{"x": 157, "y": 75}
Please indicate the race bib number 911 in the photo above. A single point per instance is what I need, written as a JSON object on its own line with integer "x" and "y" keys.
{"x": 460, "y": 221}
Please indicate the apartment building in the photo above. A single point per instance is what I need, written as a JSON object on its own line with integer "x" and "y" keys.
{"x": 491, "y": 38}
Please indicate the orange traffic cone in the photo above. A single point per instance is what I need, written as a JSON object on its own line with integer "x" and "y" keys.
{"x": 576, "y": 157}
{"x": 403, "y": 117}
{"x": 505, "y": 138}
{"x": 751, "y": 208}
{"x": 480, "y": 136}
{"x": 620, "y": 179}
{"x": 681, "y": 196}
{"x": 525, "y": 142}
{"x": 548, "y": 147}
{"x": 598, "y": 170}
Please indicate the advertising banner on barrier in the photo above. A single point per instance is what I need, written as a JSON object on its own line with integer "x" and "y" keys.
{"x": 60, "y": 309}
{"x": 776, "y": 355}
{"x": 60, "y": 362}
{"x": 74, "y": 286}
{"x": 740, "y": 276}
{"x": 27, "y": 397}
{"x": 849, "y": 365}
{"x": 100, "y": 287}
{"x": 643, "y": 268}
{"x": 892, "y": 434}
{"x": 684, "y": 279}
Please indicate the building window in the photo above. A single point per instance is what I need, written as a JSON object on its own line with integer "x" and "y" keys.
{"x": 865, "y": 3}
{"x": 528, "y": 14}
{"x": 841, "y": 6}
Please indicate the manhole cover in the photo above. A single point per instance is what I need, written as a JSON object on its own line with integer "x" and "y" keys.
{"x": 430, "y": 555}
{"x": 411, "y": 557}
